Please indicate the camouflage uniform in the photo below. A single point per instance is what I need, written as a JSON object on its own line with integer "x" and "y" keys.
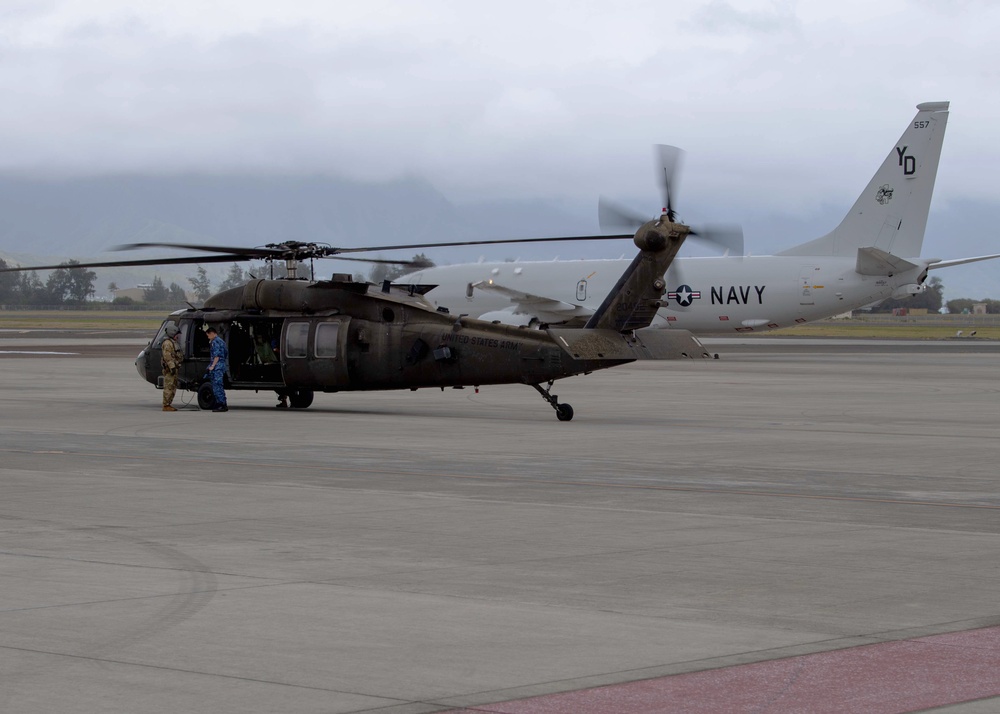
{"x": 170, "y": 361}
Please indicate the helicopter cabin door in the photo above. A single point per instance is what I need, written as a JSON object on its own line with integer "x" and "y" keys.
{"x": 313, "y": 352}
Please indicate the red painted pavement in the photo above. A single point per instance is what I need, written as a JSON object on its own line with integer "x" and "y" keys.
{"x": 886, "y": 678}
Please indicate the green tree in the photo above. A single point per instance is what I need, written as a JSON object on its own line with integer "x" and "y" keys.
{"x": 31, "y": 290}
{"x": 200, "y": 285}
{"x": 8, "y": 286}
{"x": 177, "y": 295}
{"x": 70, "y": 284}
{"x": 961, "y": 305}
{"x": 157, "y": 293}
{"x": 234, "y": 279}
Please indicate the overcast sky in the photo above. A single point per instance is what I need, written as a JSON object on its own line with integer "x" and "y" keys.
{"x": 781, "y": 105}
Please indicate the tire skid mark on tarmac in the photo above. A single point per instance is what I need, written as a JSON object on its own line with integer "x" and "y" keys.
{"x": 196, "y": 587}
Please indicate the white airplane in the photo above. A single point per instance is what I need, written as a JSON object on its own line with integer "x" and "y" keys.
{"x": 872, "y": 255}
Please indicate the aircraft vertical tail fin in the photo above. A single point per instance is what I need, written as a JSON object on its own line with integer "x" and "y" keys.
{"x": 635, "y": 298}
{"x": 891, "y": 213}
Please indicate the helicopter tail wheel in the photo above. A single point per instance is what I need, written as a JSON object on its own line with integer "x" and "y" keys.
{"x": 206, "y": 398}
{"x": 300, "y": 398}
{"x": 564, "y": 412}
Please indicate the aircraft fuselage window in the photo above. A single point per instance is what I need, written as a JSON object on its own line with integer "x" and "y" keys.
{"x": 297, "y": 339}
{"x": 326, "y": 339}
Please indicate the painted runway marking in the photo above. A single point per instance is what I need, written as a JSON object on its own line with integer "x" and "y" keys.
{"x": 34, "y": 352}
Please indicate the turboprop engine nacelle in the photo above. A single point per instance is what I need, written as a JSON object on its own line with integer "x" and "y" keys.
{"x": 905, "y": 291}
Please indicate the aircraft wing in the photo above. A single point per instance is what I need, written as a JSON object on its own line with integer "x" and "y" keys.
{"x": 544, "y": 308}
{"x": 961, "y": 261}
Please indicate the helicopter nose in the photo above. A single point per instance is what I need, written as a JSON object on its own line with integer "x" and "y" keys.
{"x": 140, "y": 365}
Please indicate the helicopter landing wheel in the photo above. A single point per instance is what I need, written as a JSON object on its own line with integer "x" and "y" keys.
{"x": 206, "y": 397}
{"x": 564, "y": 412}
{"x": 300, "y": 398}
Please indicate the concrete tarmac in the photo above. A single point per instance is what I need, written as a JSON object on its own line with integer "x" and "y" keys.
{"x": 405, "y": 553}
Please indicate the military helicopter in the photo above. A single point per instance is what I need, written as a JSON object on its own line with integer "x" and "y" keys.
{"x": 300, "y": 336}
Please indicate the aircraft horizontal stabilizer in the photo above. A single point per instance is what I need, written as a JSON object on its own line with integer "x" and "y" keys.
{"x": 960, "y": 261}
{"x": 873, "y": 261}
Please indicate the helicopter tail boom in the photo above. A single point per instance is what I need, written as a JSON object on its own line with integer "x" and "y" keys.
{"x": 634, "y": 300}
{"x": 609, "y": 345}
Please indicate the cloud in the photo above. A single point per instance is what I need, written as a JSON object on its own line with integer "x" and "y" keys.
{"x": 781, "y": 105}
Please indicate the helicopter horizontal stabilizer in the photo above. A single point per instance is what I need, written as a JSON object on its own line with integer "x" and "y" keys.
{"x": 413, "y": 289}
{"x": 605, "y": 344}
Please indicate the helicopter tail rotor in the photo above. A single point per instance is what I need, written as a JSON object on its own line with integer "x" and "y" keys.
{"x": 612, "y": 216}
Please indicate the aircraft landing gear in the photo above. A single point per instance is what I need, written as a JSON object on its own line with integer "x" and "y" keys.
{"x": 206, "y": 397}
{"x": 300, "y": 398}
{"x": 564, "y": 412}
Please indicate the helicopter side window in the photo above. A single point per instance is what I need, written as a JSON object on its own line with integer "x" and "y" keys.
{"x": 327, "y": 334}
{"x": 296, "y": 339}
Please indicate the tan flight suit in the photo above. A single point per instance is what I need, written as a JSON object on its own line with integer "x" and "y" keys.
{"x": 170, "y": 361}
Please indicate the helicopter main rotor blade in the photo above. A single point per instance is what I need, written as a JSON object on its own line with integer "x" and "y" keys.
{"x": 614, "y": 217}
{"x": 259, "y": 252}
{"x": 247, "y": 254}
{"x": 333, "y": 252}
{"x": 124, "y": 263}
{"x": 385, "y": 261}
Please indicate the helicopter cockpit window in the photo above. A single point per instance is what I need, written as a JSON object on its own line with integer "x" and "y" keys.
{"x": 297, "y": 339}
{"x": 161, "y": 333}
{"x": 326, "y": 339}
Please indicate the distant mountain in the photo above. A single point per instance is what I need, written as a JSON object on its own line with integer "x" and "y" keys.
{"x": 53, "y": 220}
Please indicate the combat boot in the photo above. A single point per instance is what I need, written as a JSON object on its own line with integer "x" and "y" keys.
{"x": 168, "y": 408}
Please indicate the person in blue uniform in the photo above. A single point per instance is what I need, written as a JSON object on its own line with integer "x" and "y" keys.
{"x": 217, "y": 368}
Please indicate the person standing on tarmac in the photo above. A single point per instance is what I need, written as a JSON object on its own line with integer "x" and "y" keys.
{"x": 217, "y": 369}
{"x": 170, "y": 359}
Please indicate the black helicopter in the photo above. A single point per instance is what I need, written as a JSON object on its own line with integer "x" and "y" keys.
{"x": 300, "y": 336}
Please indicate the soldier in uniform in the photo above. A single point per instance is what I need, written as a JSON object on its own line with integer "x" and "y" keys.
{"x": 170, "y": 360}
{"x": 217, "y": 369}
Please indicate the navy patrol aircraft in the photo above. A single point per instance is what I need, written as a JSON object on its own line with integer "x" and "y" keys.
{"x": 872, "y": 255}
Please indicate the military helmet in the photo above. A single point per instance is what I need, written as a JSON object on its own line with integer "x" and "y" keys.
{"x": 172, "y": 330}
